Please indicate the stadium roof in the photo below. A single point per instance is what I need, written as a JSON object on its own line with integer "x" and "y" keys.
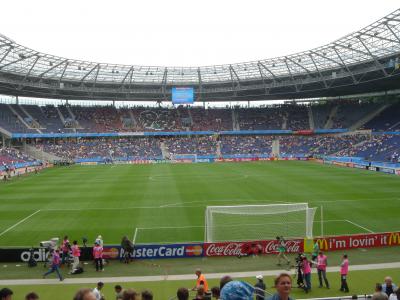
{"x": 347, "y": 65}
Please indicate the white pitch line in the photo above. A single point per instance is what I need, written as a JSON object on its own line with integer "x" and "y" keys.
{"x": 202, "y": 226}
{"x": 362, "y": 227}
{"x": 23, "y": 220}
{"x": 90, "y": 280}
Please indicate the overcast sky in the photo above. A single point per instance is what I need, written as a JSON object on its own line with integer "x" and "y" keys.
{"x": 183, "y": 33}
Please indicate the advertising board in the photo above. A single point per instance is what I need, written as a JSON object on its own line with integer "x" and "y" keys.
{"x": 371, "y": 240}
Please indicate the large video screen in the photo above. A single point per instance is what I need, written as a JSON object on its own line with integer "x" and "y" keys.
{"x": 182, "y": 95}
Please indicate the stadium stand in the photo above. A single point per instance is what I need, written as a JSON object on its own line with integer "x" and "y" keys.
{"x": 375, "y": 147}
{"x": 335, "y": 114}
{"x": 104, "y": 149}
{"x": 11, "y": 156}
{"x": 388, "y": 120}
{"x": 242, "y": 145}
{"x": 378, "y": 148}
{"x": 18, "y": 118}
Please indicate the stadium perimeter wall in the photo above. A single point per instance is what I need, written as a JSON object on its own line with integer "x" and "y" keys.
{"x": 218, "y": 249}
{"x": 23, "y": 168}
{"x": 360, "y": 163}
{"x": 350, "y": 162}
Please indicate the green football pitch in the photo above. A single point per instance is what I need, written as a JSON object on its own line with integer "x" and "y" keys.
{"x": 168, "y": 201}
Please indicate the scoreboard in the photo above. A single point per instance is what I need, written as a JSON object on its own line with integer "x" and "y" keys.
{"x": 182, "y": 95}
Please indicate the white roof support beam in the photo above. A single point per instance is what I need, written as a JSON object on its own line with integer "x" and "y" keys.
{"x": 53, "y": 67}
{"x": 200, "y": 83}
{"x": 274, "y": 78}
{"x": 97, "y": 74}
{"x": 164, "y": 84}
{"x": 29, "y": 72}
{"x": 263, "y": 79}
{"x": 63, "y": 72}
{"x": 391, "y": 30}
{"x": 320, "y": 74}
{"x": 126, "y": 75}
{"x": 234, "y": 74}
{"x": 345, "y": 66}
{"x": 291, "y": 75}
{"x": 18, "y": 60}
{"x": 340, "y": 64}
{"x": 352, "y": 49}
{"x": 130, "y": 81}
{"x": 297, "y": 64}
{"x": 6, "y": 44}
{"x": 377, "y": 63}
{"x": 379, "y": 37}
{"x": 5, "y": 54}
{"x": 88, "y": 73}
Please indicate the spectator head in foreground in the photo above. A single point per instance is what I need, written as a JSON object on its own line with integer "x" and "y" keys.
{"x": 379, "y": 295}
{"x": 147, "y": 295}
{"x": 118, "y": 292}
{"x": 388, "y": 280}
{"x": 283, "y": 285}
{"x": 32, "y": 296}
{"x": 100, "y": 285}
{"x": 182, "y": 294}
{"x": 129, "y": 294}
{"x": 84, "y": 294}
{"x": 378, "y": 287}
{"x": 224, "y": 280}
{"x": 237, "y": 290}
{"x": 5, "y": 294}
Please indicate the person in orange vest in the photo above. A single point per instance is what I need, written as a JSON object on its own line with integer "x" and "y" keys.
{"x": 201, "y": 281}
{"x": 98, "y": 256}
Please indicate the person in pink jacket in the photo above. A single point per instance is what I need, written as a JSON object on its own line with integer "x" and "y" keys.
{"x": 344, "y": 270}
{"x": 98, "y": 256}
{"x": 322, "y": 262}
{"x": 76, "y": 253}
{"x": 305, "y": 266}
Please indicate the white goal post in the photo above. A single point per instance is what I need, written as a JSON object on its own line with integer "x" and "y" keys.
{"x": 258, "y": 222}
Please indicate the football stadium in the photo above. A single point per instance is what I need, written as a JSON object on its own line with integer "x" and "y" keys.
{"x": 203, "y": 182}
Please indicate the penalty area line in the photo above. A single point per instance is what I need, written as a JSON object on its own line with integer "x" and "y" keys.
{"x": 362, "y": 227}
{"x": 16, "y": 224}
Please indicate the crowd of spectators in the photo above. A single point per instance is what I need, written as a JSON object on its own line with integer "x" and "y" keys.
{"x": 11, "y": 156}
{"x": 98, "y": 118}
{"x": 261, "y": 118}
{"x": 332, "y": 114}
{"x": 387, "y": 120}
{"x": 297, "y": 117}
{"x": 199, "y": 145}
{"x": 318, "y": 145}
{"x": 218, "y": 119}
{"x": 349, "y": 112}
{"x": 256, "y": 145}
{"x": 375, "y": 147}
{"x": 112, "y": 149}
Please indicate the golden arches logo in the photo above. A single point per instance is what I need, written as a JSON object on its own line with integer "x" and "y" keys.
{"x": 394, "y": 238}
{"x": 322, "y": 244}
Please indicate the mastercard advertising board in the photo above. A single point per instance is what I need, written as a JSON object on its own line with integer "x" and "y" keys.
{"x": 156, "y": 251}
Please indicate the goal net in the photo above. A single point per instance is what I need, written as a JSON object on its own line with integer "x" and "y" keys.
{"x": 258, "y": 222}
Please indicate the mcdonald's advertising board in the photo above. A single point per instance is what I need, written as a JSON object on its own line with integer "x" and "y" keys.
{"x": 370, "y": 240}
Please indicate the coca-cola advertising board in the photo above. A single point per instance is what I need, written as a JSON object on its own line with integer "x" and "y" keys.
{"x": 248, "y": 248}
